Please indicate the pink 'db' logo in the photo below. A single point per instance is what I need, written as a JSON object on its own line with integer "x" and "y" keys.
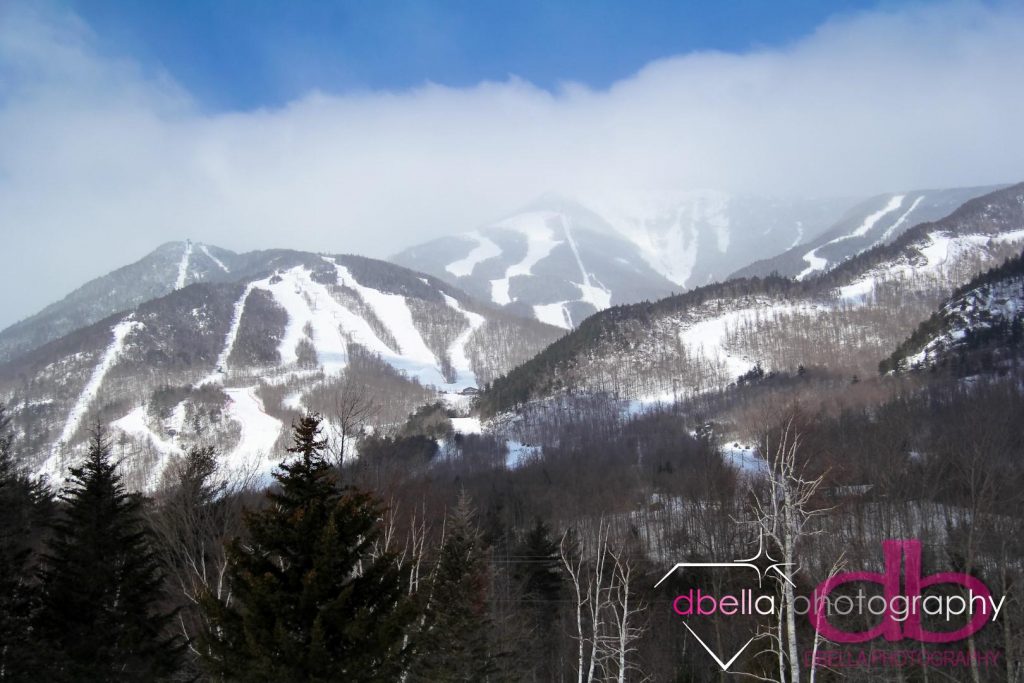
{"x": 890, "y": 627}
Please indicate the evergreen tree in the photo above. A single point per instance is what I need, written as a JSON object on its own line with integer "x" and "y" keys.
{"x": 310, "y": 601}
{"x": 23, "y": 506}
{"x": 538, "y": 573}
{"x": 455, "y": 644}
{"x": 101, "y": 584}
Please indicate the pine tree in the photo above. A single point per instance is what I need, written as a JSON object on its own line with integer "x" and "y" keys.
{"x": 539, "y": 575}
{"x": 101, "y": 583}
{"x": 310, "y": 601}
{"x": 23, "y": 507}
{"x": 455, "y": 644}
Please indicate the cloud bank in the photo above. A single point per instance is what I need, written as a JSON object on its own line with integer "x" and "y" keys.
{"x": 101, "y": 160}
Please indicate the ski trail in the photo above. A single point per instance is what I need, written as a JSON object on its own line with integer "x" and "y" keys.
{"x": 183, "y": 265}
{"x": 220, "y": 367}
{"x": 540, "y": 241}
{"x": 464, "y": 375}
{"x": 554, "y": 314}
{"x": 484, "y": 249}
{"x": 412, "y": 355}
{"x": 595, "y": 295}
{"x": 901, "y": 220}
{"x": 213, "y": 258}
{"x": 255, "y": 447}
{"x": 89, "y": 392}
{"x": 815, "y": 262}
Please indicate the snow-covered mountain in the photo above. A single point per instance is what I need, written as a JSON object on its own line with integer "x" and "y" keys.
{"x": 557, "y": 265}
{"x": 846, "y": 319}
{"x": 231, "y": 363}
{"x": 980, "y": 327}
{"x": 170, "y": 267}
{"x": 878, "y": 220}
{"x": 560, "y": 260}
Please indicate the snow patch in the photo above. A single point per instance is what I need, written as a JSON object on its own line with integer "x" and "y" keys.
{"x": 220, "y": 367}
{"x": 540, "y": 241}
{"x": 183, "y": 265}
{"x": 595, "y": 295}
{"x": 254, "y": 453}
{"x": 220, "y": 264}
{"x": 485, "y": 249}
{"x": 816, "y": 263}
{"x": 414, "y": 356}
{"x": 556, "y": 314}
{"x": 901, "y": 220}
{"x": 463, "y": 366}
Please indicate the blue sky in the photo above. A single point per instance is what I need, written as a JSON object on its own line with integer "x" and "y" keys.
{"x": 240, "y": 54}
{"x": 253, "y": 125}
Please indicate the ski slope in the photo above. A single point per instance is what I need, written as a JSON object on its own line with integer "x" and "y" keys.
{"x": 815, "y": 263}
{"x": 484, "y": 249}
{"x": 253, "y": 456}
{"x": 186, "y": 256}
{"x": 217, "y": 261}
{"x": 464, "y": 375}
{"x": 540, "y": 241}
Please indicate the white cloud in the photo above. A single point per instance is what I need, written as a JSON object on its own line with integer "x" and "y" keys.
{"x": 100, "y": 160}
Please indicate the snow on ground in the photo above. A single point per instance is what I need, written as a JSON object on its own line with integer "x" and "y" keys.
{"x": 183, "y": 265}
{"x": 467, "y": 425}
{"x": 556, "y": 314}
{"x": 293, "y": 401}
{"x": 939, "y": 251}
{"x": 414, "y": 356}
{"x": 666, "y": 227}
{"x": 707, "y": 338}
{"x": 901, "y": 220}
{"x": 745, "y": 458}
{"x": 464, "y": 375}
{"x": 484, "y": 249}
{"x": 591, "y": 293}
{"x": 310, "y": 303}
{"x": 220, "y": 264}
{"x": 220, "y": 367}
{"x": 519, "y": 453}
{"x": 92, "y": 387}
{"x": 135, "y": 425}
{"x": 540, "y": 241}
{"x": 816, "y": 263}
{"x": 254, "y": 453}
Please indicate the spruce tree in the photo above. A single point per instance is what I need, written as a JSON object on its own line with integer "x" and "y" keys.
{"x": 23, "y": 506}
{"x": 101, "y": 583}
{"x": 455, "y": 643}
{"x": 310, "y": 600}
{"x": 538, "y": 573}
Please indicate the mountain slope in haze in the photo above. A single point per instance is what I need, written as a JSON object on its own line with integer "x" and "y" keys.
{"x": 171, "y": 266}
{"x": 231, "y": 364}
{"x": 560, "y": 261}
{"x": 847, "y": 318}
{"x": 876, "y": 221}
{"x": 558, "y": 266}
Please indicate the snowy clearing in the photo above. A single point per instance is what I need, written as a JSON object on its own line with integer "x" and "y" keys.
{"x": 540, "y": 241}
{"x": 484, "y": 249}
{"x": 183, "y": 265}
{"x": 815, "y": 263}
{"x": 463, "y": 366}
{"x": 220, "y": 264}
{"x": 220, "y": 366}
{"x": 254, "y": 453}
